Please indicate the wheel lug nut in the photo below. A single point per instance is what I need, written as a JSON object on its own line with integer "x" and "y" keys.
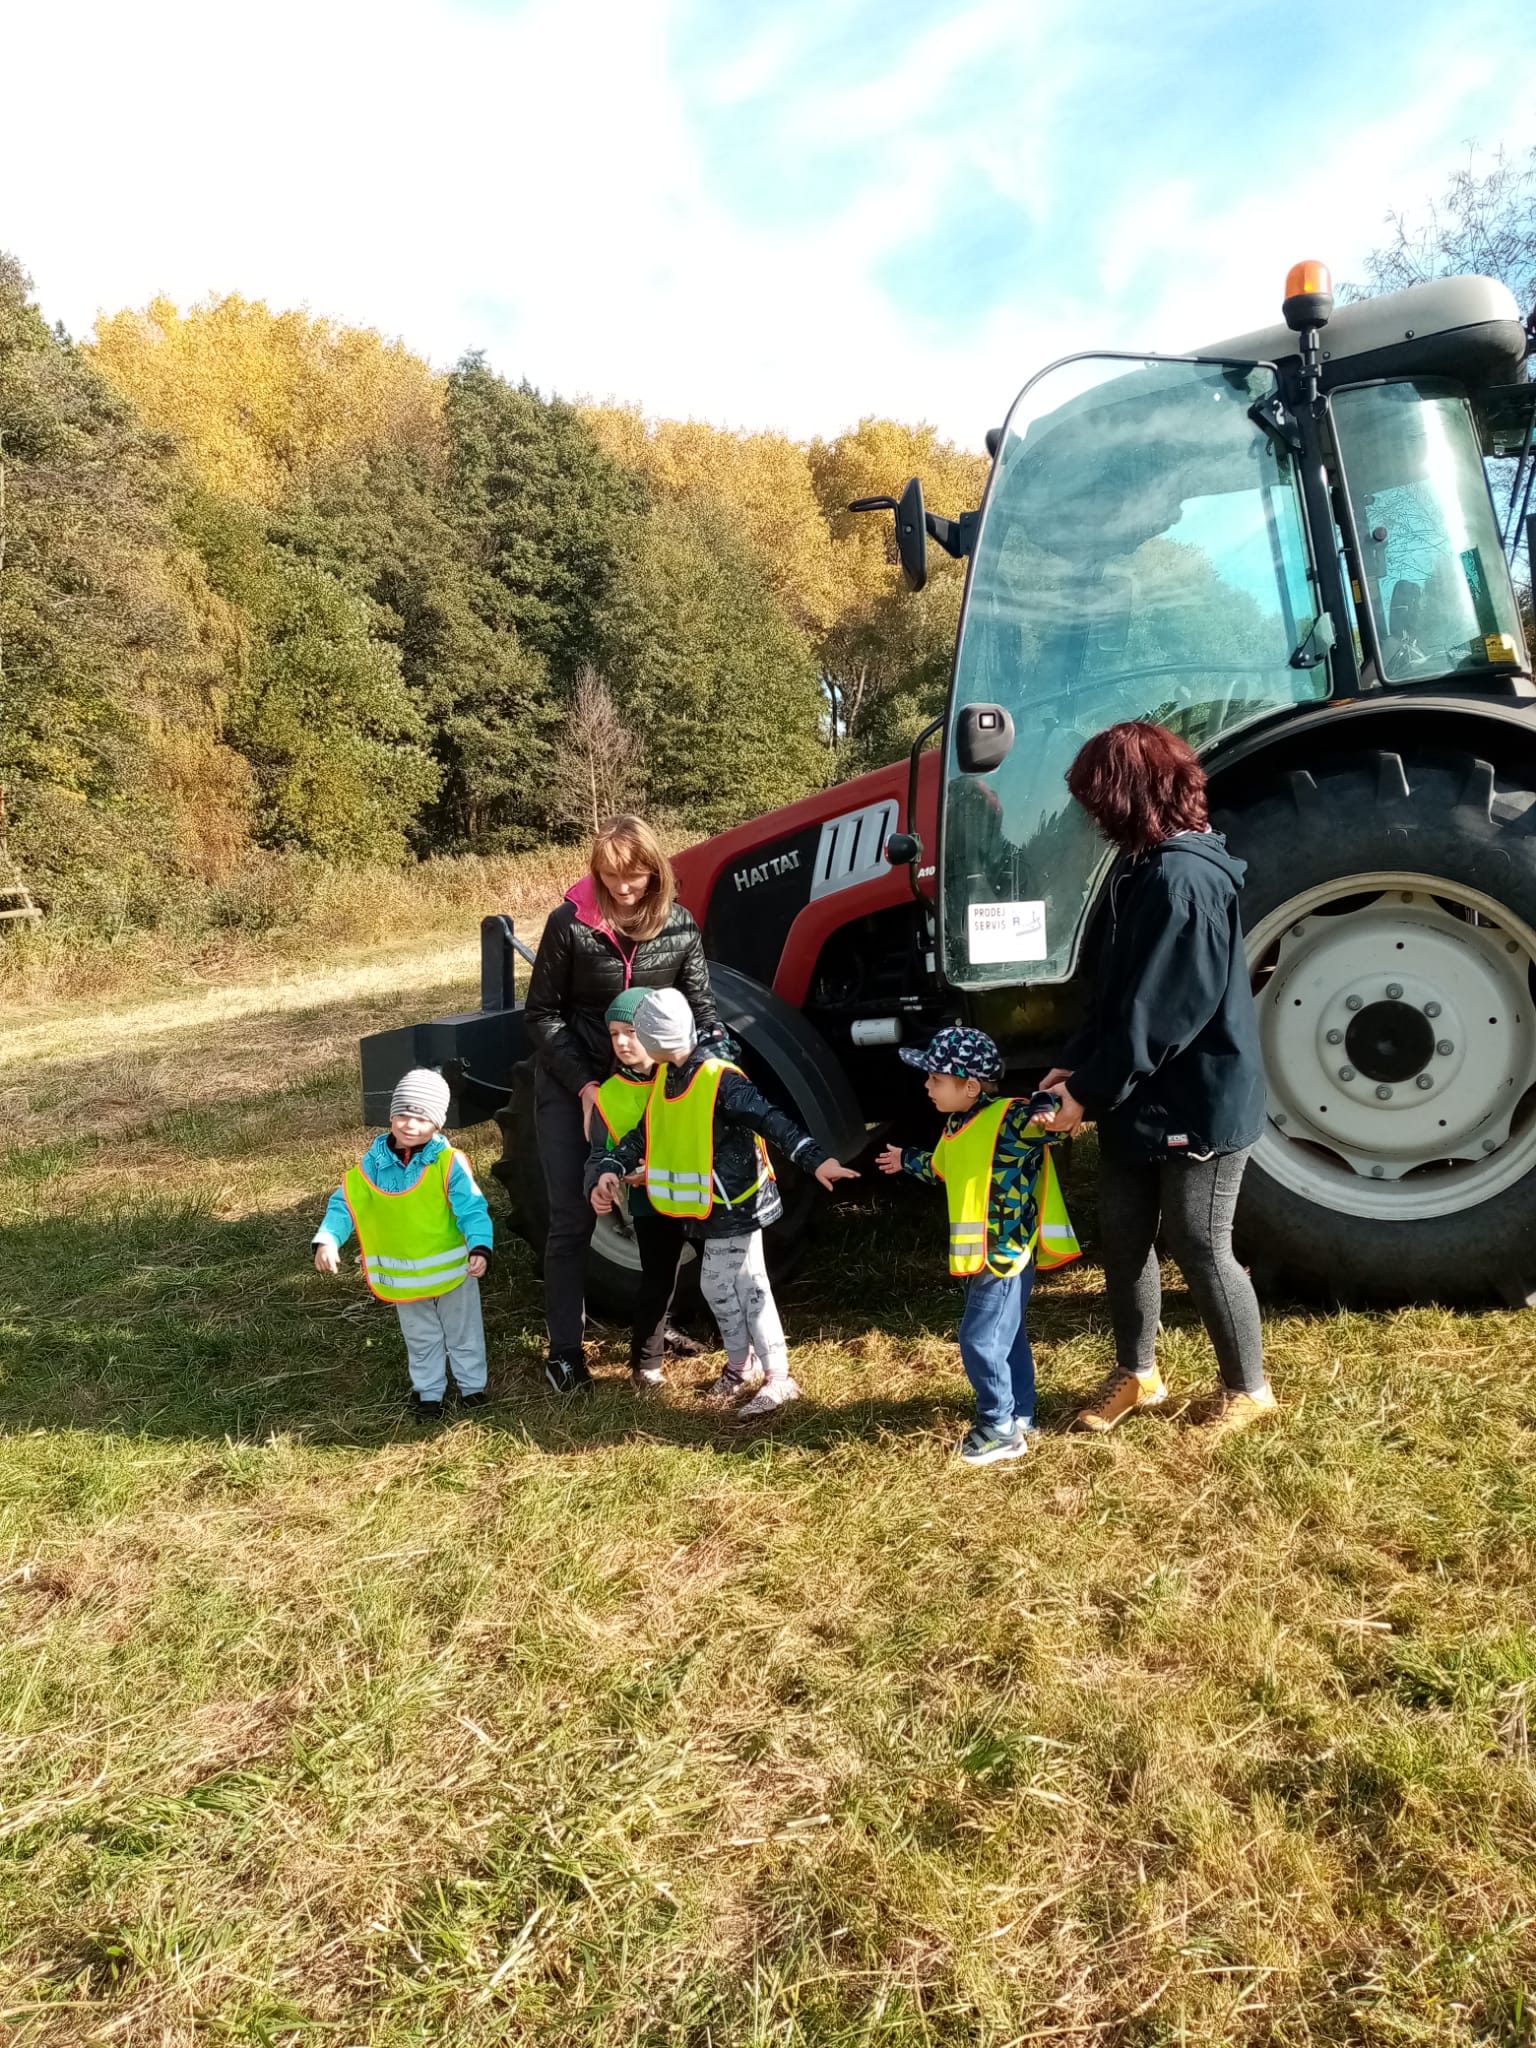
{"x": 1424, "y": 1081}
{"x": 1383, "y": 1093}
{"x": 1297, "y": 930}
{"x": 1346, "y": 1073}
{"x": 1394, "y": 990}
{"x": 1378, "y": 1173}
{"x": 1445, "y": 1047}
{"x": 1335, "y": 1038}
{"x": 1492, "y": 1144}
{"x": 1279, "y": 1117}
{"x": 1431, "y": 1009}
{"x": 1354, "y": 1002}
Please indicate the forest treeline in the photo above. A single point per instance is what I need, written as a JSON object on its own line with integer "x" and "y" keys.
{"x": 273, "y": 583}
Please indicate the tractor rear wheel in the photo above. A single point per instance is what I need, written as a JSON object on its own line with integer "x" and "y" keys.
{"x": 1390, "y": 912}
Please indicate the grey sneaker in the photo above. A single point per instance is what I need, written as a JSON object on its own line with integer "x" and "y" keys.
{"x": 642, "y": 1376}
{"x": 983, "y": 1446}
{"x": 729, "y": 1384}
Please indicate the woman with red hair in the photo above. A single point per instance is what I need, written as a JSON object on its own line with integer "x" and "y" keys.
{"x": 1169, "y": 1068}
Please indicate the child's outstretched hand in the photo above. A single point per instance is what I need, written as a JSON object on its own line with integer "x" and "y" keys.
{"x": 606, "y": 1193}
{"x": 327, "y": 1259}
{"x": 831, "y": 1170}
{"x": 889, "y": 1161}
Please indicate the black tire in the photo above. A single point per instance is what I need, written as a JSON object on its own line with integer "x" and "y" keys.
{"x": 1431, "y": 814}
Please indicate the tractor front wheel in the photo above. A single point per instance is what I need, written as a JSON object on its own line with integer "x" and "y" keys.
{"x": 1390, "y": 910}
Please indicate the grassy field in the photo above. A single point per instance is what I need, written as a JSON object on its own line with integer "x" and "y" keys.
{"x": 609, "y": 1724}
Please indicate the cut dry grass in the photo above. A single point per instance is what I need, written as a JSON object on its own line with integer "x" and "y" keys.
{"x": 609, "y": 1724}
{"x": 273, "y": 913}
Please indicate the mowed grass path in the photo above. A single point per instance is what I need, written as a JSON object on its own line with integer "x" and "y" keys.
{"x": 609, "y": 1724}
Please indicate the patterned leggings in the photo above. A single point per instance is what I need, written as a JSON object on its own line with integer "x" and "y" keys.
{"x": 733, "y": 1279}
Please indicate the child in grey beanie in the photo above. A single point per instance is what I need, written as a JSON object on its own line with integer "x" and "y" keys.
{"x": 426, "y": 1236}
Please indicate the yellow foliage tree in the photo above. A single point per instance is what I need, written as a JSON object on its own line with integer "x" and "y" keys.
{"x": 877, "y": 457}
{"x": 259, "y": 401}
{"x": 762, "y": 485}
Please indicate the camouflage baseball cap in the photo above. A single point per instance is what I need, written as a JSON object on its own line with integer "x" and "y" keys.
{"x": 959, "y": 1050}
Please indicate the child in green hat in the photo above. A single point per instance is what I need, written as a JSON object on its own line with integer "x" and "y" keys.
{"x": 618, "y": 1110}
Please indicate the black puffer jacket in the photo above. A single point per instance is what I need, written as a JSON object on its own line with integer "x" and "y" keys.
{"x": 1169, "y": 1063}
{"x": 742, "y": 1115}
{"x": 583, "y": 964}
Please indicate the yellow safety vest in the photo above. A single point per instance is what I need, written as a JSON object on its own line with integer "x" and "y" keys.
{"x": 963, "y": 1161}
{"x": 680, "y": 1145}
{"x": 621, "y": 1105}
{"x": 413, "y": 1250}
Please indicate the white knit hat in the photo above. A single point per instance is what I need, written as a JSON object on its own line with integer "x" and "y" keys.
{"x": 421, "y": 1092}
{"x": 664, "y": 1022}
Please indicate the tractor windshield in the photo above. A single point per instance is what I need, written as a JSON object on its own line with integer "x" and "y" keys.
{"x": 1142, "y": 554}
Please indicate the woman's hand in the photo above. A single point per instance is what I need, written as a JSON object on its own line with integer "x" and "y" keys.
{"x": 327, "y": 1258}
{"x": 1063, "y": 1121}
{"x": 889, "y": 1161}
{"x": 1053, "y": 1080}
{"x": 831, "y": 1170}
{"x": 477, "y": 1265}
{"x": 606, "y": 1193}
{"x": 588, "y": 1102}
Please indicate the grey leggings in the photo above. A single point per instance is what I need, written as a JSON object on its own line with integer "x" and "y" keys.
{"x": 733, "y": 1280}
{"x": 1193, "y": 1200}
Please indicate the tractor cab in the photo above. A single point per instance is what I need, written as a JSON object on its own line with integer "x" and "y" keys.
{"x": 1215, "y": 543}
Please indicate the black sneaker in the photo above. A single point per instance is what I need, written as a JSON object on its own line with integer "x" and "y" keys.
{"x": 566, "y": 1375}
{"x": 427, "y": 1411}
{"x": 477, "y": 1399}
{"x": 680, "y": 1345}
{"x": 983, "y": 1446}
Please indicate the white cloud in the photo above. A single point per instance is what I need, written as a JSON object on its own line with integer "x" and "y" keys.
{"x": 538, "y": 183}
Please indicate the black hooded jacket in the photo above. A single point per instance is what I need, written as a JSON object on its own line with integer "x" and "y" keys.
{"x": 1169, "y": 1062}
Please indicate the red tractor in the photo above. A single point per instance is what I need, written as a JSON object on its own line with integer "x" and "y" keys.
{"x": 1285, "y": 548}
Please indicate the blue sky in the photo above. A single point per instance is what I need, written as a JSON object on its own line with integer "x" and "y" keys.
{"x": 767, "y": 215}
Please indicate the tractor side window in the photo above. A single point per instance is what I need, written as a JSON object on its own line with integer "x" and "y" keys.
{"x": 1142, "y": 554}
{"x": 1434, "y": 564}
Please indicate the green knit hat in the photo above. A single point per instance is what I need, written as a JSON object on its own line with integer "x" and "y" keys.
{"x": 623, "y": 1007}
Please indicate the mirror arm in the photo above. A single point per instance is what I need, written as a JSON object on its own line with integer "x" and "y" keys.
{"x": 927, "y": 733}
{"x": 956, "y": 537}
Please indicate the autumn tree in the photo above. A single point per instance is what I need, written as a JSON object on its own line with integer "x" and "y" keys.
{"x": 704, "y": 664}
{"x": 391, "y": 530}
{"x": 758, "y": 484}
{"x": 598, "y": 765}
{"x": 542, "y": 508}
{"x": 112, "y": 739}
{"x": 886, "y": 658}
{"x": 255, "y": 401}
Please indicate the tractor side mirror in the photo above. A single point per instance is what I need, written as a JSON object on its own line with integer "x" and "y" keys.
{"x": 912, "y": 535}
{"x": 983, "y": 738}
{"x": 901, "y": 849}
{"x": 911, "y": 529}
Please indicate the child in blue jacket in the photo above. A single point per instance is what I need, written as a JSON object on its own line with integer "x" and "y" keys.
{"x": 425, "y": 1234}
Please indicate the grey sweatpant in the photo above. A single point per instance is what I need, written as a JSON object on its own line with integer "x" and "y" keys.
{"x": 445, "y": 1329}
{"x": 733, "y": 1279}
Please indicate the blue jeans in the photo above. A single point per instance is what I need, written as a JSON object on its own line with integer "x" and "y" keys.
{"x": 994, "y": 1348}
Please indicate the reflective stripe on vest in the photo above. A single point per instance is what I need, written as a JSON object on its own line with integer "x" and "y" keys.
{"x": 621, "y": 1105}
{"x": 964, "y": 1162}
{"x": 413, "y": 1249}
{"x": 680, "y": 1142}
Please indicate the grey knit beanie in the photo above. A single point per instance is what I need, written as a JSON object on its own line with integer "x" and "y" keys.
{"x": 421, "y": 1092}
{"x": 664, "y": 1023}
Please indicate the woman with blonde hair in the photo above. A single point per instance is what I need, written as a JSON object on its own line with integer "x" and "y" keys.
{"x": 620, "y": 927}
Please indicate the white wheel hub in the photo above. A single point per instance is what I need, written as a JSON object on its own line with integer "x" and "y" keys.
{"x": 1399, "y": 1038}
{"x": 614, "y": 1239}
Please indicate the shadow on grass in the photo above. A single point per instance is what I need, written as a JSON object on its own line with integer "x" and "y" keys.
{"x": 161, "y": 1321}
